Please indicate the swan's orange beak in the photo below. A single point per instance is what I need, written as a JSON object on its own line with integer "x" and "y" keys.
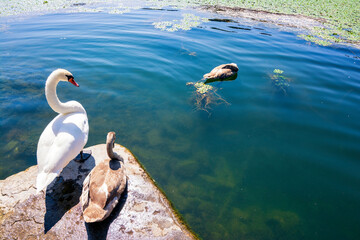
{"x": 71, "y": 79}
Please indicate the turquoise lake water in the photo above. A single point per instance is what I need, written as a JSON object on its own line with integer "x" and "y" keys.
{"x": 277, "y": 162}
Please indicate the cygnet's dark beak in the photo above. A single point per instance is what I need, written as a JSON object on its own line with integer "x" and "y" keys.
{"x": 71, "y": 79}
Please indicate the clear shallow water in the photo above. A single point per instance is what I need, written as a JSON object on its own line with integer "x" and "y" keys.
{"x": 268, "y": 166}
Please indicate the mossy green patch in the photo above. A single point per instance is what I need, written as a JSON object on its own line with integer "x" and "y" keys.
{"x": 314, "y": 39}
{"x": 187, "y": 169}
{"x": 188, "y": 22}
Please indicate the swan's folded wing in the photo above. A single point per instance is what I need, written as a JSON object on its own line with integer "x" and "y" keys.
{"x": 122, "y": 186}
{"x": 98, "y": 185}
{"x": 116, "y": 182}
{"x": 85, "y": 196}
{"x": 46, "y": 140}
{"x": 66, "y": 146}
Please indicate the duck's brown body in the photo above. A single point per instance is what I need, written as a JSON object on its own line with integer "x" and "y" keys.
{"x": 222, "y": 72}
{"x": 103, "y": 187}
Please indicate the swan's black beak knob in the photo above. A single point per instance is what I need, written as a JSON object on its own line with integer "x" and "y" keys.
{"x": 71, "y": 79}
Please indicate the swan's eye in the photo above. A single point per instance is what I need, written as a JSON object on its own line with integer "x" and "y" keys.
{"x": 69, "y": 77}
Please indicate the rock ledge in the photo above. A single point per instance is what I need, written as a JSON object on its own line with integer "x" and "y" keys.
{"x": 142, "y": 213}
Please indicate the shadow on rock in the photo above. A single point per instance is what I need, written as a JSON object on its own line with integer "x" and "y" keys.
{"x": 62, "y": 195}
{"x": 99, "y": 230}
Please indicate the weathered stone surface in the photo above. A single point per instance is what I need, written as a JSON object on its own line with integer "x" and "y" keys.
{"x": 142, "y": 213}
{"x": 280, "y": 19}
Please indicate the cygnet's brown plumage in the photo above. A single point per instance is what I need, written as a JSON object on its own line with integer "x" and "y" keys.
{"x": 103, "y": 187}
{"x": 222, "y": 72}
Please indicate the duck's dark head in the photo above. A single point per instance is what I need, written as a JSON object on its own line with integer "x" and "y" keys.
{"x": 231, "y": 66}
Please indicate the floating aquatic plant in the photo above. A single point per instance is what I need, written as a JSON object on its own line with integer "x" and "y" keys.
{"x": 17, "y": 7}
{"x": 205, "y": 96}
{"x": 278, "y": 71}
{"x": 202, "y": 88}
{"x": 279, "y": 80}
{"x": 316, "y": 40}
{"x": 188, "y": 22}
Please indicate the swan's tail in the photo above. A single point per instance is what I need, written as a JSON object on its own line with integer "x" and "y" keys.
{"x": 94, "y": 213}
{"x": 43, "y": 180}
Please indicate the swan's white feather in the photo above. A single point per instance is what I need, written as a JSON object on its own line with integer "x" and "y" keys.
{"x": 61, "y": 141}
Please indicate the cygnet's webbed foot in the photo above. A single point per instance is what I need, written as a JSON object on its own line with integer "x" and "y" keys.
{"x": 83, "y": 156}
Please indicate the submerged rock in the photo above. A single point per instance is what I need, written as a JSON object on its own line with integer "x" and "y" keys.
{"x": 143, "y": 211}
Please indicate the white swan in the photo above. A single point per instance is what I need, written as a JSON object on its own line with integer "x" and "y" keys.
{"x": 64, "y": 137}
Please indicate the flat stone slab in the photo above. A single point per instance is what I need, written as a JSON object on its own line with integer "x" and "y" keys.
{"x": 143, "y": 211}
{"x": 280, "y": 19}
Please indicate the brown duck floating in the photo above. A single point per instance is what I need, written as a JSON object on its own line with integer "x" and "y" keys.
{"x": 223, "y": 72}
{"x": 103, "y": 187}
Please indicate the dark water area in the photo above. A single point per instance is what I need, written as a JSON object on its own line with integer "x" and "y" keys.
{"x": 280, "y": 161}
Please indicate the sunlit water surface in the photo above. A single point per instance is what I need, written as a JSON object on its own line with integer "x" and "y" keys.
{"x": 273, "y": 164}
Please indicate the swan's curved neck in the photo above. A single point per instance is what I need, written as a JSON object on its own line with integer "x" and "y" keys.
{"x": 110, "y": 152}
{"x": 53, "y": 100}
